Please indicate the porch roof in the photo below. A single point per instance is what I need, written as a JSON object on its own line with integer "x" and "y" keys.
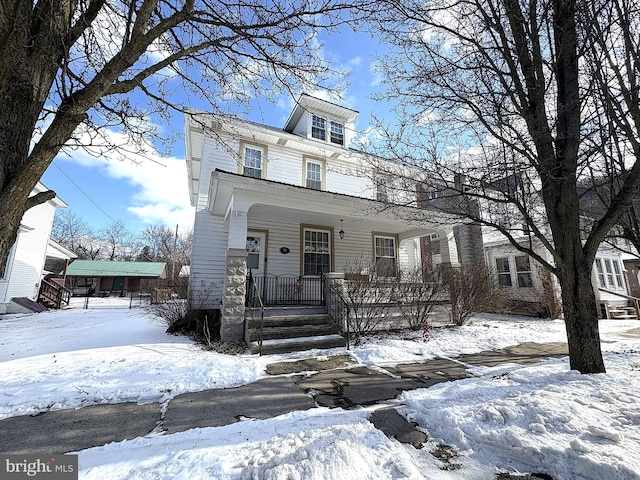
{"x": 55, "y": 250}
{"x": 261, "y": 193}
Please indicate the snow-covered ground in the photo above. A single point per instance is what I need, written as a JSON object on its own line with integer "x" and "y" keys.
{"x": 540, "y": 418}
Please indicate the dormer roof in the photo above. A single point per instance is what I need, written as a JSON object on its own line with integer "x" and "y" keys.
{"x": 307, "y": 103}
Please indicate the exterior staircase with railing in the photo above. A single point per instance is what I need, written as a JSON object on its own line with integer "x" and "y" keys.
{"x": 630, "y": 311}
{"x": 53, "y": 294}
{"x": 286, "y": 329}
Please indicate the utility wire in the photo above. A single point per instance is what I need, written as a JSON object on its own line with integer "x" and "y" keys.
{"x": 88, "y": 197}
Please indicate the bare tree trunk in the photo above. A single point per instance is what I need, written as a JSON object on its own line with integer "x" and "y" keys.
{"x": 581, "y": 315}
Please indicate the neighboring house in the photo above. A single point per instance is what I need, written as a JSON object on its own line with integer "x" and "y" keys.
{"x": 23, "y": 273}
{"x": 290, "y": 203}
{"x": 523, "y": 282}
{"x": 105, "y": 278}
{"x": 632, "y": 267}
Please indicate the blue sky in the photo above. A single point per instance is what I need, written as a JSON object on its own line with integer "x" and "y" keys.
{"x": 153, "y": 190}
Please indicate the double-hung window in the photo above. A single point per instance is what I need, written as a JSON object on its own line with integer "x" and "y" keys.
{"x": 337, "y": 133}
{"x": 318, "y": 128}
{"x": 523, "y": 271}
{"x": 503, "y": 271}
{"x": 317, "y": 251}
{"x": 609, "y": 273}
{"x": 385, "y": 256}
{"x": 314, "y": 175}
{"x": 253, "y": 162}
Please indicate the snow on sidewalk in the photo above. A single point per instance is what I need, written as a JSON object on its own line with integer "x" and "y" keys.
{"x": 539, "y": 418}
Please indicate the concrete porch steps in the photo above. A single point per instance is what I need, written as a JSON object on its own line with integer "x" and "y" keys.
{"x": 290, "y": 329}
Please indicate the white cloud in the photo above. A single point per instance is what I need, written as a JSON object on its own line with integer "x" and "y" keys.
{"x": 159, "y": 190}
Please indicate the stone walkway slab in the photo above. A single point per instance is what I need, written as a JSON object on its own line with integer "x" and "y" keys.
{"x": 263, "y": 399}
{"x": 522, "y": 354}
{"x": 350, "y": 387}
{"x": 394, "y": 425}
{"x": 64, "y": 431}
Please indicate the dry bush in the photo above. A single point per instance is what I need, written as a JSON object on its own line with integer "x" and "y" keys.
{"x": 550, "y": 305}
{"x": 367, "y": 296}
{"x": 418, "y": 292}
{"x": 187, "y": 317}
{"x": 473, "y": 289}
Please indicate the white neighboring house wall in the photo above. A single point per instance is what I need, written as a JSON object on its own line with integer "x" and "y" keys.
{"x": 25, "y": 266}
{"x": 278, "y": 186}
{"x": 519, "y": 274}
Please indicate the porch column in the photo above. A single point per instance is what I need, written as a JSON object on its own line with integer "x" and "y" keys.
{"x": 234, "y": 286}
{"x": 448, "y": 248}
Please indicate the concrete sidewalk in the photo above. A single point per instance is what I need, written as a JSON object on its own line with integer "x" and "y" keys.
{"x": 337, "y": 383}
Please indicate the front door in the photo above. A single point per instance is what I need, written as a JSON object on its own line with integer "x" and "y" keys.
{"x": 118, "y": 284}
{"x": 256, "y": 251}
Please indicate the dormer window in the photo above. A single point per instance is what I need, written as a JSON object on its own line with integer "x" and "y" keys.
{"x": 321, "y": 120}
{"x": 318, "y": 128}
{"x": 337, "y": 133}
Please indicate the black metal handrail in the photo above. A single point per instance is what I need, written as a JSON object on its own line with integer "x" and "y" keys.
{"x": 254, "y": 307}
{"x": 337, "y": 307}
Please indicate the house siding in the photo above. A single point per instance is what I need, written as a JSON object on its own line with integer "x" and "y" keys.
{"x": 207, "y": 260}
{"x": 24, "y": 274}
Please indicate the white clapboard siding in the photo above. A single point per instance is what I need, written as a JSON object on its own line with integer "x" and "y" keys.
{"x": 207, "y": 260}
{"x": 24, "y": 274}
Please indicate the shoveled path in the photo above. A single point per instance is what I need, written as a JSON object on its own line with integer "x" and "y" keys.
{"x": 338, "y": 383}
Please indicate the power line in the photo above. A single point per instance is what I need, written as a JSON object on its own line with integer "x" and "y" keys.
{"x": 86, "y": 195}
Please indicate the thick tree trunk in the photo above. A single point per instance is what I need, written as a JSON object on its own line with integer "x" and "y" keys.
{"x": 581, "y": 316}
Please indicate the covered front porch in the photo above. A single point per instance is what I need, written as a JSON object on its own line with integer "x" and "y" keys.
{"x": 283, "y": 237}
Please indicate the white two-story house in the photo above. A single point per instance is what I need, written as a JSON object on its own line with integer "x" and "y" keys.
{"x": 289, "y": 203}
{"x": 24, "y": 271}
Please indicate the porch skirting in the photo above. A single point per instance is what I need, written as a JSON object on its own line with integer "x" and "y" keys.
{"x": 233, "y": 296}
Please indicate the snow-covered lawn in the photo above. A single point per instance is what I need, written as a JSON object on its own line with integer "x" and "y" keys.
{"x": 541, "y": 418}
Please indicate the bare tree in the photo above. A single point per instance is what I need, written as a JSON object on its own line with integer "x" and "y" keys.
{"x": 118, "y": 243}
{"x": 164, "y": 244}
{"x": 497, "y": 102}
{"x": 76, "y": 234}
{"x": 69, "y": 70}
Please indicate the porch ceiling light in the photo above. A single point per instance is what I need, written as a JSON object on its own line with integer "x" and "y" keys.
{"x": 341, "y": 232}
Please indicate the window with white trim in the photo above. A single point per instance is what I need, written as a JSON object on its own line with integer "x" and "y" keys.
{"x": 609, "y": 273}
{"x": 337, "y": 133}
{"x": 385, "y": 256}
{"x": 523, "y": 271}
{"x": 314, "y": 175}
{"x": 253, "y": 161}
{"x": 317, "y": 251}
{"x": 504, "y": 271}
{"x": 318, "y": 128}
